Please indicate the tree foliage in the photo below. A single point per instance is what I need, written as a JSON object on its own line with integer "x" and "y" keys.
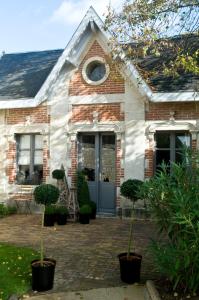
{"x": 148, "y": 27}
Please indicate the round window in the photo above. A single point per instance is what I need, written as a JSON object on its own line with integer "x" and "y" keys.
{"x": 95, "y": 71}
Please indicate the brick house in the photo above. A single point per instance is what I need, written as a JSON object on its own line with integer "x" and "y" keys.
{"x": 73, "y": 107}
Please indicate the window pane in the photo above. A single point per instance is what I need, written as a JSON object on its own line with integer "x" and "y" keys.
{"x": 25, "y": 141}
{"x": 38, "y": 159}
{"x": 163, "y": 140}
{"x": 178, "y": 156}
{"x": 182, "y": 140}
{"x": 23, "y": 175}
{"x": 162, "y": 156}
{"x": 24, "y": 157}
{"x": 38, "y": 141}
{"x": 37, "y": 174}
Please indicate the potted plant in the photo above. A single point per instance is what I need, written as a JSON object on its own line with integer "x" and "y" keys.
{"x": 49, "y": 215}
{"x": 61, "y": 215}
{"x": 84, "y": 214}
{"x": 83, "y": 196}
{"x": 93, "y": 206}
{"x": 59, "y": 175}
{"x": 43, "y": 269}
{"x": 130, "y": 262}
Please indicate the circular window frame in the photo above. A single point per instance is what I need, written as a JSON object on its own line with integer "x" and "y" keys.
{"x": 87, "y": 63}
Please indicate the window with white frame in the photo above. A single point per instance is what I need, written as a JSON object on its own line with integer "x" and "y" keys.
{"x": 29, "y": 158}
{"x": 169, "y": 147}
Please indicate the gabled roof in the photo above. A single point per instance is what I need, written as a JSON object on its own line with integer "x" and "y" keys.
{"x": 22, "y": 74}
{"x": 31, "y": 75}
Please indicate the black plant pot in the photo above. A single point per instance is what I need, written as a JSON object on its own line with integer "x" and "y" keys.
{"x": 61, "y": 219}
{"x": 49, "y": 220}
{"x": 43, "y": 276}
{"x": 93, "y": 214}
{"x": 84, "y": 218}
{"x": 130, "y": 268}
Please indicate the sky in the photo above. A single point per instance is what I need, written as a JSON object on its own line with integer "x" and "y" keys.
{"x": 32, "y": 25}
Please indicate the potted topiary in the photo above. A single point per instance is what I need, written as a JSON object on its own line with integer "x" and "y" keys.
{"x": 49, "y": 215}
{"x": 84, "y": 214}
{"x": 130, "y": 262}
{"x": 43, "y": 269}
{"x": 83, "y": 196}
{"x": 93, "y": 206}
{"x": 58, "y": 174}
{"x": 61, "y": 215}
{"x": 46, "y": 194}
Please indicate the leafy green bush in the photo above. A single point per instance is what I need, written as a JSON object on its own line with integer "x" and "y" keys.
{"x": 62, "y": 210}
{"x": 93, "y": 205}
{"x": 174, "y": 203}
{"x": 130, "y": 187}
{"x": 46, "y": 194}
{"x": 58, "y": 174}
{"x": 50, "y": 210}
{"x": 83, "y": 196}
{"x": 85, "y": 209}
{"x": 7, "y": 210}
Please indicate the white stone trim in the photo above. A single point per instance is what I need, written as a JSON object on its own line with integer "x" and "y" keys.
{"x": 96, "y": 127}
{"x": 170, "y": 126}
{"x": 88, "y": 62}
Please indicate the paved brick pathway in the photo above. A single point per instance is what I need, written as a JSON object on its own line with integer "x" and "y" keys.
{"x": 86, "y": 254}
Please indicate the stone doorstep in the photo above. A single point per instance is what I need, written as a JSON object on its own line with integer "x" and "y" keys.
{"x": 130, "y": 292}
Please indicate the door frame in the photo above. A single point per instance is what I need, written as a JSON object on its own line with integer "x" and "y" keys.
{"x": 98, "y": 164}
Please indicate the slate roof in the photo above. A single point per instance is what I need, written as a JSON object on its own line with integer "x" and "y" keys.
{"x": 22, "y": 74}
{"x": 159, "y": 81}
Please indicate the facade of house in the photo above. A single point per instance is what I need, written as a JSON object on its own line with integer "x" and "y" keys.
{"x": 74, "y": 108}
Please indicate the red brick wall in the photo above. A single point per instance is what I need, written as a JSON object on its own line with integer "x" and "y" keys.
{"x": 106, "y": 112}
{"x": 149, "y": 156}
{"x": 114, "y": 84}
{"x": 183, "y": 111}
{"x": 11, "y": 167}
{"x": 19, "y": 115}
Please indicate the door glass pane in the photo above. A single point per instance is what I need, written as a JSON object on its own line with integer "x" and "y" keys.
{"x": 108, "y": 158}
{"x": 182, "y": 140}
{"x": 88, "y": 156}
{"x": 163, "y": 140}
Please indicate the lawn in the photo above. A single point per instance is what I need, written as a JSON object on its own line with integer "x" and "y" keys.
{"x": 15, "y": 270}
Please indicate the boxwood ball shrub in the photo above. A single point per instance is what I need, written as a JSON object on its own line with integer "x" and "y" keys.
{"x": 83, "y": 196}
{"x": 130, "y": 188}
{"x": 58, "y": 174}
{"x": 85, "y": 209}
{"x": 46, "y": 194}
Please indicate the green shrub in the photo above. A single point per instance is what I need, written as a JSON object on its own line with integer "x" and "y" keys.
{"x": 3, "y": 210}
{"x": 85, "y": 209}
{"x": 62, "y": 210}
{"x": 46, "y": 194}
{"x": 174, "y": 203}
{"x": 7, "y": 210}
{"x": 93, "y": 205}
{"x": 83, "y": 196}
{"x": 58, "y": 174}
{"x": 129, "y": 189}
{"x": 50, "y": 210}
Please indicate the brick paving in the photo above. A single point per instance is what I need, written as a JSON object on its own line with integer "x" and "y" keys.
{"x": 86, "y": 254}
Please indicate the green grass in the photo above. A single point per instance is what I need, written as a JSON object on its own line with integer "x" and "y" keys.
{"x": 15, "y": 270}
